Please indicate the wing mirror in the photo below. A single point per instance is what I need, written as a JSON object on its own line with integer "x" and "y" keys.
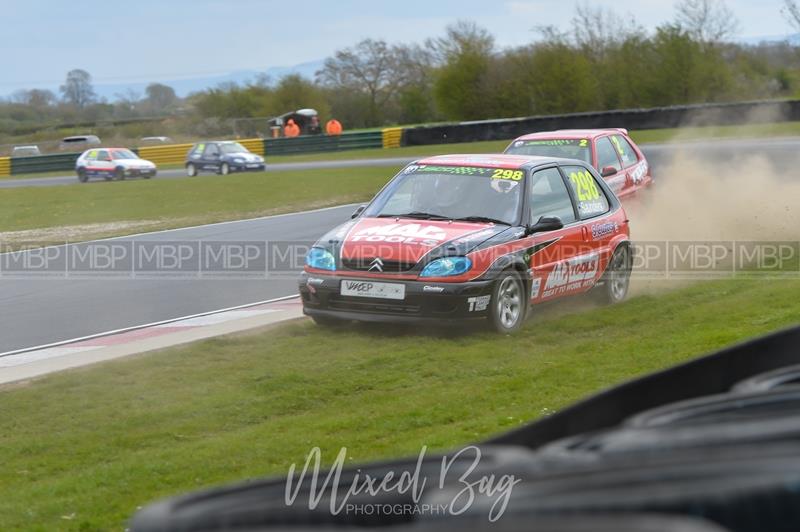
{"x": 545, "y": 223}
{"x": 358, "y": 211}
{"x": 608, "y": 171}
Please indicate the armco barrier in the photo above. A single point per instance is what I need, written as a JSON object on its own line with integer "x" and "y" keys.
{"x": 44, "y": 163}
{"x": 166, "y": 154}
{"x": 392, "y": 137}
{"x": 254, "y": 145}
{"x": 656, "y": 118}
{"x": 322, "y": 143}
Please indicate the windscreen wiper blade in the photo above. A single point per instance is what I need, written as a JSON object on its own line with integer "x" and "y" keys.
{"x": 481, "y": 219}
{"x": 416, "y": 214}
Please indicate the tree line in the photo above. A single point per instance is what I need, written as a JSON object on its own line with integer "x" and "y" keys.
{"x": 601, "y": 60}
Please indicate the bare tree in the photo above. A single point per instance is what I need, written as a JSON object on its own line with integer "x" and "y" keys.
{"x": 710, "y": 21}
{"x": 160, "y": 96}
{"x": 370, "y": 66}
{"x": 792, "y": 12}
{"x": 462, "y": 37}
{"x": 602, "y": 27}
{"x": 38, "y": 98}
{"x": 77, "y": 89}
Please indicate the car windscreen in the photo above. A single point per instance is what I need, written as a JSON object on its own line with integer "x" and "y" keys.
{"x": 232, "y": 147}
{"x": 564, "y": 148}
{"x": 452, "y": 192}
{"x": 123, "y": 154}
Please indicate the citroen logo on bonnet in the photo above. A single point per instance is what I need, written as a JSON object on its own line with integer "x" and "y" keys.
{"x": 376, "y": 264}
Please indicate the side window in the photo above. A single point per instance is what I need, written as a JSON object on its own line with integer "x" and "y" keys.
{"x": 606, "y": 155}
{"x": 103, "y": 155}
{"x": 591, "y": 199}
{"x": 549, "y": 197}
{"x": 92, "y": 155}
{"x": 211, "y": 150}
{"x": 625, "y": 150}
{"x": 197, "y": 151}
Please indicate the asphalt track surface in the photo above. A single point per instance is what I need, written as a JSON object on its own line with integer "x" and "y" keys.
{"x": 39, "y": 311}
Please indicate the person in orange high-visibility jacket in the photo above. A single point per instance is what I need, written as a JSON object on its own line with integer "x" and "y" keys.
{"x": 291, "y": 129}
{"x": 333, "y": 127}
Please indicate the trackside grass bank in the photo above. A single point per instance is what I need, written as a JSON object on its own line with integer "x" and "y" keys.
{"x": 83, "y": 449}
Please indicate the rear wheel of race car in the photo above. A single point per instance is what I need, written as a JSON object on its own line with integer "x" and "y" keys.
{"x": 82, "y": 177}
{"x": 508, "y": 305}
{"x": 119, "y": 174}
{"x": 617, "y": 277}
{"x": 224, "y": 169}
{"x": 191, "y": 170}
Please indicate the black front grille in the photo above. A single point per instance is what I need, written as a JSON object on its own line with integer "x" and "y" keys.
{"x": 372, "y": 306}
{"x": 369, "y": 264}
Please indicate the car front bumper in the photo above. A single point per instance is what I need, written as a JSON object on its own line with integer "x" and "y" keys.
{"x": 140, "y": 172}
{"x": 423, "y": 301}
{"x": 247, "y": 167}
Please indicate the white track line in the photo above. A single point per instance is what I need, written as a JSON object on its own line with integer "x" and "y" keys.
{"x": 144, "y": 326}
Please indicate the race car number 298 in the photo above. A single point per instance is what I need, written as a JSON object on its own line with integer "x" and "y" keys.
{"x": 373, "y": 289}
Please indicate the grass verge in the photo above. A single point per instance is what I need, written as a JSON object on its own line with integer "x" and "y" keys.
{"x": 82, "y": 449}
{"x": 99, "y": 209}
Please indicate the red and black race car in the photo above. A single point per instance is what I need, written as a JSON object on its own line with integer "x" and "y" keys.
{"x": 611, "y": 151}
{"x": 459, "y": 237}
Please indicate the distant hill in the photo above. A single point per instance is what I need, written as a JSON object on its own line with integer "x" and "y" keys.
{"x": 185, "y": 86}
{"x": 793, "y": 39}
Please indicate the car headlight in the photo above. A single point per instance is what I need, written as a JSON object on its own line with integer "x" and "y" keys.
{"x": 321, "y": 259}
{"x": 446, "y": 267}
{"x": 238, "y": 160}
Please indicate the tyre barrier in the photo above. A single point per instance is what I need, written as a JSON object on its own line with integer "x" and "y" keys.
{"x": 688, "y": 448}
{"x": 780, "y": 378}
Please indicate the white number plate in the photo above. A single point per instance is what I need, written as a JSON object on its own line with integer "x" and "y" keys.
{"x": 373, "y": 289}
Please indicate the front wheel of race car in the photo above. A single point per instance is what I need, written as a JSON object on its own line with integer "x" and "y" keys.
{"x": 224, "y": 169}
{"x": 119, "y": 174}
{"x": 508, "y": 304}
{"x": 191, "y": 170}
{"x": 617, "y": 277}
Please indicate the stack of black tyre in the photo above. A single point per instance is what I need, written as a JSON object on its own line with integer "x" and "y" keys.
{"x": 711, "y": 445}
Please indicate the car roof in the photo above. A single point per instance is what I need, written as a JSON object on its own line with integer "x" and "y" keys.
{"x": 572, "y": 133}
{"x": 491, "y": 160}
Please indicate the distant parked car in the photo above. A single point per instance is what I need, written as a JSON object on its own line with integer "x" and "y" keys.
{"x": 79, "y": 142}
{"x": 113, "y": 163}
{"x": 611, "y": 151}
{"x": 222, "y": 157}
{"x": 155, "y": 140}
{"x": 25, "y": 151}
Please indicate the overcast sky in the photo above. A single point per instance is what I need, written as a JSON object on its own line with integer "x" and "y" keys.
{"x": 151, "y": 40}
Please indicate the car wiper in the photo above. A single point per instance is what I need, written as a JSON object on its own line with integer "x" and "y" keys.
{"x": 481, "y": 219}
{"x": 416, "y": 214}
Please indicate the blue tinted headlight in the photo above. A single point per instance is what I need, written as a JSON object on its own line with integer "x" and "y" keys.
{"x": 446, "y": 267}
{"x": 321, "y": 259}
